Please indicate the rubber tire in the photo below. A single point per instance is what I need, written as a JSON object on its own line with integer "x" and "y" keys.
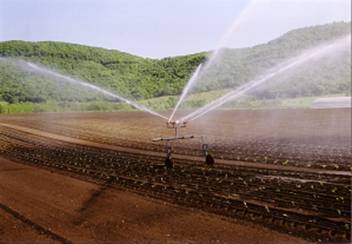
{"x": 209, "y": 160}
{"x": 168, "y": 163}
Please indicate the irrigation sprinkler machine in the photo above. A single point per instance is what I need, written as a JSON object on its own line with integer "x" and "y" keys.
{"x": 177, "y": 126}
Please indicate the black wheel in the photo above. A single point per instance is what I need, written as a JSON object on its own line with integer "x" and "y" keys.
{"x": 209, "y": 160}
{"x": 168, "y": 163}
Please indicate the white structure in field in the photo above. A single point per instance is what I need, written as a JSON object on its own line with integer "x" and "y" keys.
{"x": 332, "y": 102}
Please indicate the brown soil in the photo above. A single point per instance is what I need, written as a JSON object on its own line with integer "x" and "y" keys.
{"x": 80, "y": 211}
{"x": 12, "y": 229}
{"x": 305, "y": 138}
{"x": 288, "y": 170}
{"x": 160, "y": 154}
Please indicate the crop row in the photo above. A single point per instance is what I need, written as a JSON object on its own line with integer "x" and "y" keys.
{"x": 286, "y": 152}
{"x": 297, "y": 202}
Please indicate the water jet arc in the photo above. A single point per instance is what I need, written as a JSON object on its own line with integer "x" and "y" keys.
{"x": 41, "y": 70}
{"x": 293, "y": 63}
{"x": 236, "y": 23}
{"x": 185, "y": 90}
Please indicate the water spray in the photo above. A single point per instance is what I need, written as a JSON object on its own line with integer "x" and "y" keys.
{"x": 237, "y": 93}
{"x": 185, "y": 91}
{"x": 178, "y": 124}
{"x": 293, "y": 63}
{"x": 41, "y": 70}
{"x": 236, "y": 23}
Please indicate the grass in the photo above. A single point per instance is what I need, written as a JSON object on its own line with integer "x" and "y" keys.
{"x": 166, "y": 103}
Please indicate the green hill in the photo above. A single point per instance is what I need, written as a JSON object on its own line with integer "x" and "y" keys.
{"x": 140, "y": 78}
{"x": 120, "y": 72}
{"x": 238, "y": 66}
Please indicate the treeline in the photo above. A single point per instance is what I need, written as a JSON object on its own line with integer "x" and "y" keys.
{"x": 132, "y": 76}
{"x": 53, "y": 106}
{"x": 141, "y": 78}
{"x": 237, "y": 66}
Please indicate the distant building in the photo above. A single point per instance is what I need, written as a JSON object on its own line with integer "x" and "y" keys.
{"x": 332, "y": 102}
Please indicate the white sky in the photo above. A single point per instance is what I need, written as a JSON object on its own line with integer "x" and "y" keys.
{"x": 159, "y": 28}
{"x": 267, "y": 19}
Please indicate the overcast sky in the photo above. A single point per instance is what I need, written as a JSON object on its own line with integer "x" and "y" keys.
{"x": 159, "y": 28}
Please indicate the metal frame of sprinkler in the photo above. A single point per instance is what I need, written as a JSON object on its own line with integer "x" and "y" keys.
{"x": 177, "y": 125}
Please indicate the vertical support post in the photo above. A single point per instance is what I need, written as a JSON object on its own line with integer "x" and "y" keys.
{"x": 168, "y": 160}
{"x": 205, "y": 149}
{"x": 209, "y": 160}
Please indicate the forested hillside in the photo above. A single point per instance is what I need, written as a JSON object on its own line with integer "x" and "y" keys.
{"x": 142, "y": 78}
{"x": 120, "y": 72}
{"x": 237, "y": 66}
